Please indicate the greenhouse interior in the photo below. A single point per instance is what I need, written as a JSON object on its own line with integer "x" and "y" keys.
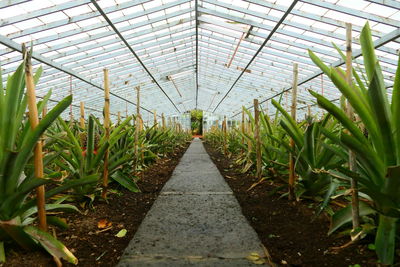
{"x": 200, "y": 133}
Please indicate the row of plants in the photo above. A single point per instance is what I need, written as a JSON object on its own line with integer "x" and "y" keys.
{"x": 73, "y": 163}
{"x": 321, "y": 150}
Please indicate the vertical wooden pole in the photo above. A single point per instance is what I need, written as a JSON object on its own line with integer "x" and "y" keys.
{"x": 249, "y": 132}
{"x": 257, "y": 137}
{"x": 286, "y": 100}
{"x": 242, "y": 126}
{"x": 44, "y": 113}
{"x": 352, "y": 156}
{"x": 119, "y": 117}
{"x": 71, "y": 116}
{"x": 140, "y": 123}
{"x": 155, "y": 123}
{"x": 163, "y": 121}
{"x": 292, "y": 175}
{"x": 137, "y": 121}
{"x": 82, "y": 118}
{"x": 38, "y": 152}
{"x": 224, "y": 130}
{"x": 322, "y": 84}
{"x": 107, "y": 130}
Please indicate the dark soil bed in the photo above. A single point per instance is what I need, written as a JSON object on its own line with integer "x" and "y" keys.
{"x": 285, "y": 228}
{"x": 125, "y": 210}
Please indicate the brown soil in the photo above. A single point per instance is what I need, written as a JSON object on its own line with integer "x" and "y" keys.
{"x": 125, "y": 210}
{"x": 287, "y": 229}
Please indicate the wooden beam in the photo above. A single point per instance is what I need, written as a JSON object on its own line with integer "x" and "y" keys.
{"x": 38, "y": 152}
{"x": 107, "y": 130}
{"x": 257, "y": 137}
{"x": 292, "y": 174}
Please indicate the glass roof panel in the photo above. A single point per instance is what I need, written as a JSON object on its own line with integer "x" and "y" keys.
{"x": 159, "y": 40}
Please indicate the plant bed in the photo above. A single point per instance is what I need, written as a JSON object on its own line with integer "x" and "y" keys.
{"x": 287, "y": 229}
{"x": 94, "y": 246}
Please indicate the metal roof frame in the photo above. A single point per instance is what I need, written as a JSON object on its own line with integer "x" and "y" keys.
{"x": 76, "y": 39}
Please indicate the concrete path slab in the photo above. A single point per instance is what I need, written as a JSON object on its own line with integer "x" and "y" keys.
{"x": 196, "y": 221}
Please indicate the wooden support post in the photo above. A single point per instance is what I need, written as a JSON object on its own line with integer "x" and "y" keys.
{"x": 119, "y": 117}
{"x": 352, "y": 156}
{"x": 249, "y": 132}
{"x": 38, "y": 152}
{"x": 243, "y": 126}
{"x": 82, "y": 118}
{"x": 292, "y": 174}
{"x": 107, "y": 130}
{"x": 224, "y": 130}
{"x": 137, "y": 122}
{"x": 71, "y": 116}
{"x": 44, "y": 113}
{"x": 163, "y": 121}
{"x": 140, "y": 123}
{"x": 155, "y": 123}
{"x": 257, "y": 137}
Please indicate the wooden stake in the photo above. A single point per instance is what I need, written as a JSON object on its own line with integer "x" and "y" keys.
{"x": 38, "y": 153}
{"x": 155, "y": 123}
{"x": 352, "y": 156}
{"x": 257, "y": 137}
{"x": 119, "y": 117}
{"x": 107, "y": 130}
{"x": 44, "y": 113}
{"x": 163, "y": 121}
{"x": 225, "y": 136}
{"x": 140, "y": 123}
{"x": 71, "y": 116}
{"x": 243, "y": 129}
{"x": 249, "y": 132}
{"x": 137, "y": 121}
{"x": 82, "y": 119}
{"x": 322, "y": 84}
{"x": 292, "y": 175}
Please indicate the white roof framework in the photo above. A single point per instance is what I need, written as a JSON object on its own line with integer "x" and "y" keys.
{"x": 186, "y": 54}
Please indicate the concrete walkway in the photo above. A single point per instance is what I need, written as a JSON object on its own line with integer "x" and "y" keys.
{"x": 196, "y": 220}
